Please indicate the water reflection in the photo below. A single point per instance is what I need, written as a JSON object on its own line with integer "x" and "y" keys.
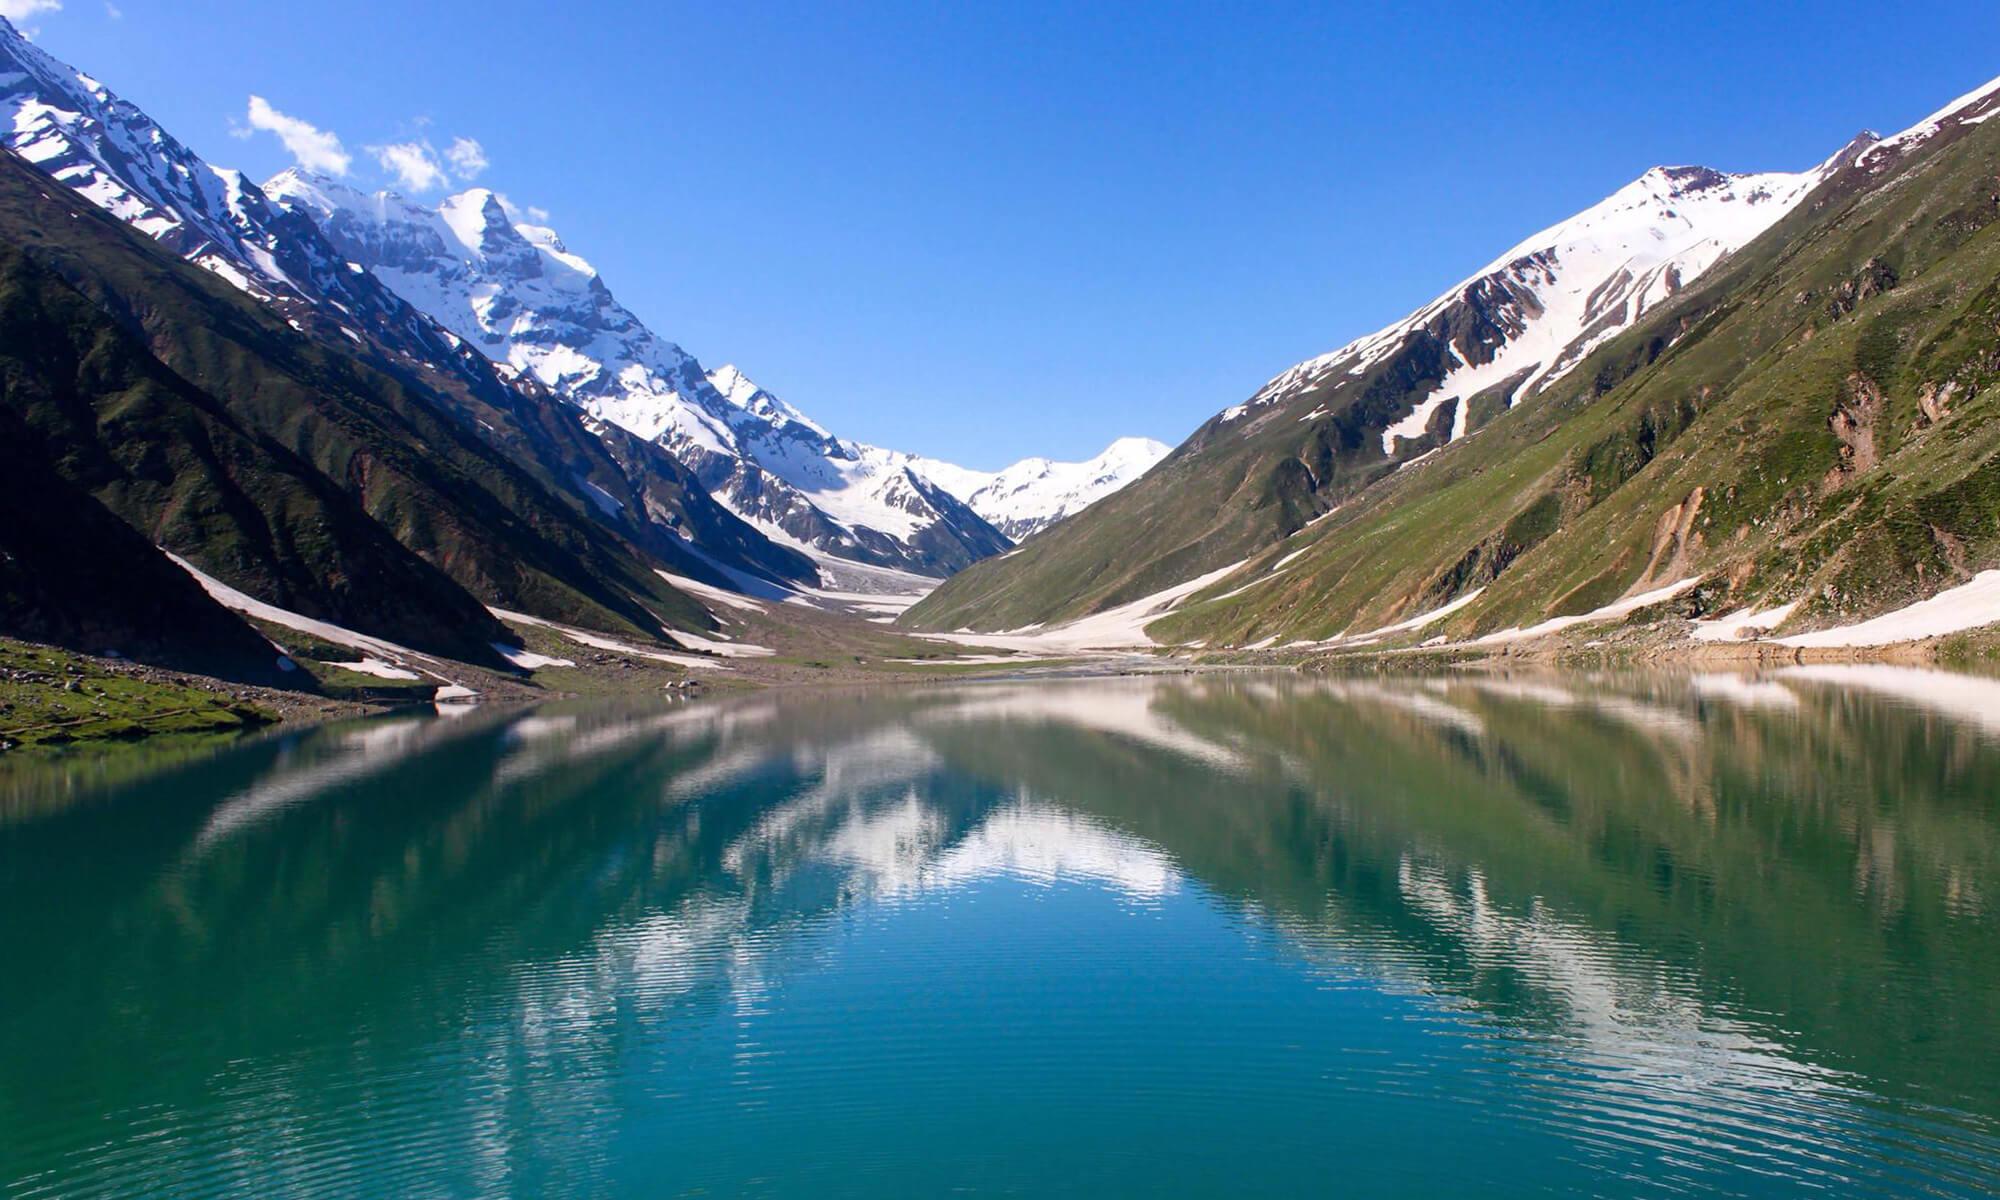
{"x": 1715, "y": 933}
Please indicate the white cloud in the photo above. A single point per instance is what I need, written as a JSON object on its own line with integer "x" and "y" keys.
{"x": 22, "y": 10}
{"x": 315, "y": 149}
{"x": 467, "y": 157}
{"x": 113, "y": 11}
{"x": 414, "y": 164}
{"x": 531, "y": 212}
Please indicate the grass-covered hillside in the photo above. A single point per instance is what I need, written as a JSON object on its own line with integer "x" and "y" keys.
{"x": 1813, "y": 420}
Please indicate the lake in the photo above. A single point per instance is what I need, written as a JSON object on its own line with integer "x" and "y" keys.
{"x": 1494, "y": 935}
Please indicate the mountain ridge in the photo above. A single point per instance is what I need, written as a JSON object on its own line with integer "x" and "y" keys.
{"x": 519, "y": 295}
{"x": 1026, "y": 497}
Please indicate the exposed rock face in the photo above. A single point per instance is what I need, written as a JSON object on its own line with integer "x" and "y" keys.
{"x": 1874, "y": 278}
{"x": 1853, "y": 424}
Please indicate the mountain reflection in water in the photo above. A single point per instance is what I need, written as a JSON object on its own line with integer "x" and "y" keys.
{"x": 1482, "y": 933}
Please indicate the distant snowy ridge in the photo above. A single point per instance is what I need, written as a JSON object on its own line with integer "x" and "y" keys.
{"x": 1027, "y": 497}
{"x": 516, "y": 293}
{"x": 869, "y": 492}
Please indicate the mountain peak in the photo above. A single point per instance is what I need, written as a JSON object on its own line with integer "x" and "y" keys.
{"x": 478, "y": 220}
{"x": 298, "y": 187}
{"x": 1126, "y": 446}
{"x": 735, "y": 386}
{"x": 1529, "y": 316}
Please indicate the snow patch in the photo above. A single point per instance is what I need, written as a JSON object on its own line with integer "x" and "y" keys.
{"x": 1742, "y": 625}
{"x": 381, "y": 656}
{"x": 377, "y": 668}
{"x": 598, "y": 641}
{"x": 1609, "y": 612}
{"x": 528, "y": 660}
{"x": 1121, "y": 628}
{"x": 1967, "y": 606}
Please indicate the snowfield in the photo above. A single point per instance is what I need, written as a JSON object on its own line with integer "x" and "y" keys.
{"x": 1610, "y": 612}
{"x": 1035, "y": 493}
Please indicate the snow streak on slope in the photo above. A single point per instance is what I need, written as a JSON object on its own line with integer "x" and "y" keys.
{"x": 1535, "y": 312}
{"x": 1032, "y": 494}
{"x": 515, "y": 292}
{"x": 74, "y": 128}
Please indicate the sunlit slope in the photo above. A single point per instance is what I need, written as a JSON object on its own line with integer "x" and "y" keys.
{"x": 1811, "y": 420}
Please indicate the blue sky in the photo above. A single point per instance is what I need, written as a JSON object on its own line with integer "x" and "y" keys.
{"x": 982, "y": 231}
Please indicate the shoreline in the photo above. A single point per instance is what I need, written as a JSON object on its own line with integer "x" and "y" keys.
{"x": 236, "y": 708}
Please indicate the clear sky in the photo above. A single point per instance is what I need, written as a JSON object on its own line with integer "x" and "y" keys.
{"x": 982, "y": 231}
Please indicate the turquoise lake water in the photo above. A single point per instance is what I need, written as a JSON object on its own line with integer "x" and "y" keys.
{"x": 1501, "y": 936}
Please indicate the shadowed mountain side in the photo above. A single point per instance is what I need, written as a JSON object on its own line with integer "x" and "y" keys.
{"x": 425, "y": 474}
{"x": 92, "y": 583}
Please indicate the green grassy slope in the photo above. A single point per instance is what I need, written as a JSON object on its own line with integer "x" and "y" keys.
{"x": 51, "y": 698}
{"x": 1820, "y": 427}
{"x": 1813, "y": 419}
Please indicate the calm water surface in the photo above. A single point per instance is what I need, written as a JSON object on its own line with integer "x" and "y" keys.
{"x": 1495, "y": 936}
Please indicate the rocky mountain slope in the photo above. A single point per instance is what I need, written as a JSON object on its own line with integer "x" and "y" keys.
{"x": 517, "y": 293}
{"x": 1791, "y": 408}
{"x": 1033, "y": 494}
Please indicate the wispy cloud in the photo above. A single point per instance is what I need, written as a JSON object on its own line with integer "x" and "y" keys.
{"x": 467, "y": 158}
{"x": 315, "y": 149}
{"x": 414, "y": 164}
{"x": 530, "y": 212}
{"x": 418, "y": 166}
{"x": 113, "y": 11}
{"x": 21, "y": 10}
{"x": 18, "y": 11}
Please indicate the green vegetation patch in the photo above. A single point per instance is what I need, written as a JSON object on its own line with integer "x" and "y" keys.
{"x": 49, "y": 697}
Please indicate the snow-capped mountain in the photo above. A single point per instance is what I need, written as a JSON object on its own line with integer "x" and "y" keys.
{"x": 514, "y": 291}
{"x": 75, "y": 130}
{"x": 1528, "y": 317}
{"x": 81, "y": 134}
{"x": 877, "y": 499}
{"x": 1032, "y": 494}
